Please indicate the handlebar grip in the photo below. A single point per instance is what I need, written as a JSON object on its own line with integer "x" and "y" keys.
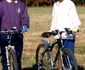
{"x": 46, "y": 34}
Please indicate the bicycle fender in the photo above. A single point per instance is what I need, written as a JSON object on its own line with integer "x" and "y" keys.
{"x": 45, "y": 43}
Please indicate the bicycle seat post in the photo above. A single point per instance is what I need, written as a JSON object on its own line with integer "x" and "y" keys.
{"x": 48, "y": 40}
{"x": 61, "y": 40}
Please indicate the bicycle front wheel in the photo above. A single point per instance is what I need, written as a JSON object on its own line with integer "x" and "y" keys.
{"x": 68, "y": 60}
{"x": 42, "y": 58}
{"x": 13, "y": 65}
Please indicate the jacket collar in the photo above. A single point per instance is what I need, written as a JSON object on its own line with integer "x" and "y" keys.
{"x": 9, "y": 1}
{"x": 62, "y": 2}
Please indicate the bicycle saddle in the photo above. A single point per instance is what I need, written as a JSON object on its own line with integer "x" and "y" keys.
{"x": 46, "y": 34}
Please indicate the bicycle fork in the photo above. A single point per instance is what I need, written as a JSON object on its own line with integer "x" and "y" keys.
{"x": 7, "y": 48}
{"x": 50, "y": 58}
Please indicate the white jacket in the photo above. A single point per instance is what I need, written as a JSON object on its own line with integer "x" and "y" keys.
{"x": 64, "y": 15}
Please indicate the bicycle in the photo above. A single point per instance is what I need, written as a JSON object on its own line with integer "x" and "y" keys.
{"x": 10, "y": 51}
{"x": 62, "y": 60}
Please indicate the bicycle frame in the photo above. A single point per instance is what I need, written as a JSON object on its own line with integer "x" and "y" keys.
{"x": 7, "y": 48}
{"x": 64, "y": 57}
{"x": 10, "y": 49}
{"x": 50, "y": 46}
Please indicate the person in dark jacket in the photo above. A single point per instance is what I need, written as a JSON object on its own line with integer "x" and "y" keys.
{"x": 13, "y": 13}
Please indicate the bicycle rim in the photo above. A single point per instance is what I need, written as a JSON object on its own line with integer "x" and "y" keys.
{"x": 42, "y": 59}
{"x": 12, "y": 60}
{"x": 69, "y": 61}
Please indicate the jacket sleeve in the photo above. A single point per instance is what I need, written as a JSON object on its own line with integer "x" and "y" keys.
{"x": 74, "y": 18}
{"x": 53, "y": 23}
{"x": 25, "y": 17}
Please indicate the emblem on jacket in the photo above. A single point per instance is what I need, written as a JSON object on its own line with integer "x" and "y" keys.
{"x": 18, "y": 10}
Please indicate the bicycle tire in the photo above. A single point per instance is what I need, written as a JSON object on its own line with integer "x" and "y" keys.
{"x": 12, "y": 60}
{"x": 42, "y": 60}
{"x": 69, "y": 60}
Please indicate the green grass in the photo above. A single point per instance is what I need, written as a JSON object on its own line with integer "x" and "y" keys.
{"x": 40, "y": 21}
{"x": 41, "y": 14}
{"x": 39, "y": 18}
{"x": 80, "y": 49}
{"x": 81, "y": 10}
{"x": 27, "y": 61}
{"x": 40, "y": 10}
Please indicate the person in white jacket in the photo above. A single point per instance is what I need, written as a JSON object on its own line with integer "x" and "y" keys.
{"x": 64, "y": 15}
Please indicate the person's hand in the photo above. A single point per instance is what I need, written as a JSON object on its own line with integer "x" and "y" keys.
{"x": 74, "y": 30}
{"x": 24, "y": 28}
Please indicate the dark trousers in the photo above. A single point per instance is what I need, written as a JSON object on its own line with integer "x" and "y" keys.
{"x": 17, "y": 41}
{"x": 68, "y": 44}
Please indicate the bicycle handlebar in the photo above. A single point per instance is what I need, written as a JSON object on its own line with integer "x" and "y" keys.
{"x": 56, "y": 32}
{"x": 12, "y": 31}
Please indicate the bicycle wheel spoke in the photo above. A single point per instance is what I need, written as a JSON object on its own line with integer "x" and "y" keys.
{"x": 12, "y": 60}
{"x": 69, "y": 61}
{"x": 42, "y": 58}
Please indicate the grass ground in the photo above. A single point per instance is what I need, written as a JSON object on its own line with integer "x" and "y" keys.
{"x": 40, "y": 19}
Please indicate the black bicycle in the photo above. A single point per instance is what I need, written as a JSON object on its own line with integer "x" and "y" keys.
{"x": 64, "y": 58}
{"x": 10, "y": 51}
